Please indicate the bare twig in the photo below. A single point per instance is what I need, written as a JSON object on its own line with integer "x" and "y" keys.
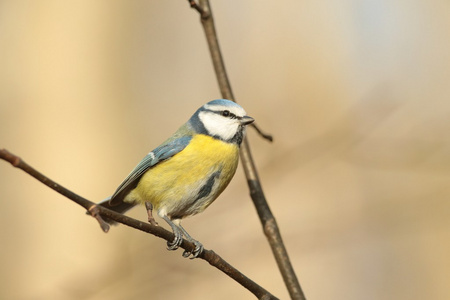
{"x": 269, "y": 224}
{"x": 98, "y": 211}
{"x": 201, "y": 11}
{"x": 264, "y": 135}
{"x": 17, "y": 162}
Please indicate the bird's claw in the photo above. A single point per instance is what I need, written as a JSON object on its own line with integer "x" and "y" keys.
{"x": 197, "y": 250}
{"x": 178, "y": 232}
{"x": 173, "y": 245}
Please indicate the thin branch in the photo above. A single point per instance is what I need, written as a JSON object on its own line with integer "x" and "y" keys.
{"x": 269, "y": 224}
{"x": 198, "y": 8}
{"x": 17, "y": 162}
{"x": 264, "y": 135}
{"x": 98, "y": 211}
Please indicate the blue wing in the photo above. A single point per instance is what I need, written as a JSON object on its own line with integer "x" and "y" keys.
{"x": 163, "y": 152}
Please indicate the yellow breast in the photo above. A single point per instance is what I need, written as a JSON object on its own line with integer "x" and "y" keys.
{"x": 174, "y": 184}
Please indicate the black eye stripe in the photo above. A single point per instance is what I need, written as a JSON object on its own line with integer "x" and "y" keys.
{"x": 225, "y": 113}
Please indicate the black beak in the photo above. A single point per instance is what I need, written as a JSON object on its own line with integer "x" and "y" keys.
{"x": 245, "y": 120}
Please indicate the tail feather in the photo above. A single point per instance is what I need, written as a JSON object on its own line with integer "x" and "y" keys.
{"x": 120, "y": 208}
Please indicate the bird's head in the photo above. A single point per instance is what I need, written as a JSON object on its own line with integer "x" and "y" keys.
{"x": 221, "y": 119}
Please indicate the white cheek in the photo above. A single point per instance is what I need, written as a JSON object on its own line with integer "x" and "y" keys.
{"x": 217, "y": 125}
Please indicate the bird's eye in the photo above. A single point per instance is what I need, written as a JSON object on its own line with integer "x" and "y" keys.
{"x": 226, "y": 113}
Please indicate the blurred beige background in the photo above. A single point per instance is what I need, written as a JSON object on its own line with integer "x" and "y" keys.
{"x": 356, "y": 94}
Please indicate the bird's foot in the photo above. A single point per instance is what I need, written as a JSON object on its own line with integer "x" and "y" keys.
{"x": 197, "y": 250}
{"x": 178, "y": 232}
{"x": 177, "y": 240}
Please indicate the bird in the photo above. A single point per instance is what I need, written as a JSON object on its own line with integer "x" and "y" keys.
{"x": 186, "y": 173}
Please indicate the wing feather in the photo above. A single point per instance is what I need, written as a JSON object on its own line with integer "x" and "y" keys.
{"x": 163, "y": 152}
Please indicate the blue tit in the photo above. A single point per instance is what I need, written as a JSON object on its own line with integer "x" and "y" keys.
{"x": 187, "y": 172}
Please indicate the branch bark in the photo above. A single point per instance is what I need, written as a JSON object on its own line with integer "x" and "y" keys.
{"x": 268, "y": 221}
{"x": 97, "y": 212}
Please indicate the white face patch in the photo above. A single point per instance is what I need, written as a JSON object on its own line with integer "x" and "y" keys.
{"x": 216, "y": 124}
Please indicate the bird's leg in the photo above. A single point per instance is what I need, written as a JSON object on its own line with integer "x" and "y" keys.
{"x": 149, "y": 208}
{"x": 177, "y": 232}
{"x": 198, "y": 246}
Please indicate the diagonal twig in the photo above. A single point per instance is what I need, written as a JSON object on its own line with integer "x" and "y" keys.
{"x": 268, "y": 221}
{"x": 98, "y": 211}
